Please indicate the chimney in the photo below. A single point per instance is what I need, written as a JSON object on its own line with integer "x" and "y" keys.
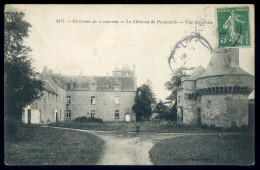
{"x": 232, "y": 57}
{"x": 45, "y": 69}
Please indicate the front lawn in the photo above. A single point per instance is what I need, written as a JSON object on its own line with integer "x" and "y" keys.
{"x": 207, "y": 149}
{"x": 47, "y": 146}
{"x": 145, "y": 126}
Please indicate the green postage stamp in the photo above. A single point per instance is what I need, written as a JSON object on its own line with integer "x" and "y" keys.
{"x": 233, "y": 27}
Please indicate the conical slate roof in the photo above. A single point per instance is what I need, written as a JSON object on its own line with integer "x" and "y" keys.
{"x": 197, "y": 72}
{"x": 218, "y": 65}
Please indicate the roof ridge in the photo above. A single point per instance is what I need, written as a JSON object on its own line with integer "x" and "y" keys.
{"x": 51, "y": 86}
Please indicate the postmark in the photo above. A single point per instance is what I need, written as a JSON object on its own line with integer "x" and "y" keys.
{"x": 233, "y": 27}
{"x": 182, "y": 54}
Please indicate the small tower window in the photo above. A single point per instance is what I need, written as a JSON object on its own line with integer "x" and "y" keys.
{"x": 208, "y": 104}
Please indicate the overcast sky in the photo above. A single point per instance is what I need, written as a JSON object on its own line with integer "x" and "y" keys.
{"x": 96, "y": 48}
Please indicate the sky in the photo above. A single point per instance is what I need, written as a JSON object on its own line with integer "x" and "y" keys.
{"x": 95, "y": 48}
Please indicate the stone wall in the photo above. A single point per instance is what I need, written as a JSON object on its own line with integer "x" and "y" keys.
{"x": 104, "y": 104}
{"x": 190, "y": 115}
{"x": 189, "y": 105}
{"x": 223, "y": 109}
{"x": 47, "y": 105}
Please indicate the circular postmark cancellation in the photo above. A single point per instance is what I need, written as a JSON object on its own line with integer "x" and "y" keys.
{"x": 184, "y": 52}
{"x": 195, "y": 49}
{"x": 233, "y": 27}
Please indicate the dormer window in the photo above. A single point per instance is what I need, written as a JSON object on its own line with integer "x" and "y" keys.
{"x": 93, "y": 87}
{"x": 117, "y": 88}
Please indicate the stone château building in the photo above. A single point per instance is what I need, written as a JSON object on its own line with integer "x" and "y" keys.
{"x": 67, "y": 97}
{"x": 218, "y": 95}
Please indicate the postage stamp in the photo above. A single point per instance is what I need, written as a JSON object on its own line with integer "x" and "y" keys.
{"x": 233, "y": 27}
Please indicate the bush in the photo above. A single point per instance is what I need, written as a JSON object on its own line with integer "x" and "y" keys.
{"x": 85, "y": 119}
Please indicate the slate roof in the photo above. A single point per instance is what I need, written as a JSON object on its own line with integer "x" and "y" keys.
{"x": 197, "y": 72}
{"x": 104, "y": 83}
{"x": 48, "y": 87}
{"x": 218, "y": 66}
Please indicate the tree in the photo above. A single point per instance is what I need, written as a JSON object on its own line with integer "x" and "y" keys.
{"x": 21, "y": 86}
{"x": 162, "y": 109}
{"x": 172, "y": 85}
{"x": 143, "y": 102}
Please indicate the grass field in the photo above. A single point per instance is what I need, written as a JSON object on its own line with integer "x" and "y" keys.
{"x": 210, "y": 149}
{"x": 146, "y": 126}
{"x": 47, "y": 146}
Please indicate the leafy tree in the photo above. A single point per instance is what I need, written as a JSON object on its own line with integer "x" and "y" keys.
{"x": 162, "y": 109}
{"x": 21, "y": 86}
{"x": 143, "y": 102}
{"x": 172, "y": 85}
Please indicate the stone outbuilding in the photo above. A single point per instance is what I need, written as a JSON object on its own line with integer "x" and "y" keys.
{"x": 218, "y": 95}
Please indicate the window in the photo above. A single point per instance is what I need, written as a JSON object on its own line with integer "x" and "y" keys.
{"x": 179, "y": 99}
{"x": 208, "y": 104}
{"x": 116, "y": 99}
{"x": 68, "y": 86}
{"x": 117, "y": 88}
{"x": 68, "y": 100}
{"x": 44, "y": 103}
{"x": 116, "y": 113}
{"x": 93, "y": 100}
{"x": 68, "y": 113}
{"x": 93, "y": 88}
{"x": 233, "y": 124}
{"x": 93, "y": 112}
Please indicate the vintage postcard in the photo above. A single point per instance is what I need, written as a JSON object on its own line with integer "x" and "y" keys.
{"x": 129, "y": 84}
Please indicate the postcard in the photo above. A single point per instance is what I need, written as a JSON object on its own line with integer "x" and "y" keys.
{"x": 129, "y": 84}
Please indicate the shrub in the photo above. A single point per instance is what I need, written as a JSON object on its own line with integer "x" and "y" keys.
{"x": 85, "y": 119}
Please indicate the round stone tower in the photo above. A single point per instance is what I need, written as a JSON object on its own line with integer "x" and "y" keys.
{"x": 224, "y": 88}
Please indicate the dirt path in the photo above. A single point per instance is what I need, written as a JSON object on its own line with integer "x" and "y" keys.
{"x": 128, "y": 148}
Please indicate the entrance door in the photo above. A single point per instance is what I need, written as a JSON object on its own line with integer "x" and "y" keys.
{"x": 127, "y": 118}
{"x": 57, "y": 116}
{"x": 29, "y": 116}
